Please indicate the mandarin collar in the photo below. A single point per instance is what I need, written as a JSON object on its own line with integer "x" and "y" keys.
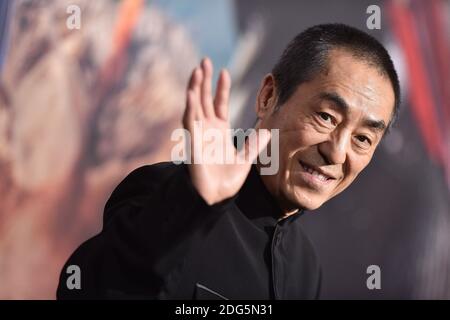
{"x": 258, "y": 204}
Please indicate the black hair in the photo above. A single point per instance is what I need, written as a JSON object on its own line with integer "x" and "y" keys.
{"x": 307, "y": 55}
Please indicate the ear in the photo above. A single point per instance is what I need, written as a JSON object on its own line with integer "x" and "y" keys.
{"x": 266, "y": 99}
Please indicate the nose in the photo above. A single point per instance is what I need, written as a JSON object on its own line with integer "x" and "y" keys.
{"x": 334, "y": 149}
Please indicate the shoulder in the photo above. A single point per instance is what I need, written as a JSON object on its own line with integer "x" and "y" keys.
{"x": 143, "y": 181}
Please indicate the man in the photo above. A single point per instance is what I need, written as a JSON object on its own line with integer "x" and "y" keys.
{"x": 224, "y": 231}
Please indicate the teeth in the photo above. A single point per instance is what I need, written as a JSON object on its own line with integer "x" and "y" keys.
{"x": 316, "y": 174}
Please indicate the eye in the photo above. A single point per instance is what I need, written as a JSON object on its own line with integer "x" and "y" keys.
{"x": 325, "y": 117}
{"x": 364, "y": 140}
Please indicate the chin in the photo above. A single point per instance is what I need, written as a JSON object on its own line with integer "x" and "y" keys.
{"x": 310, "y": 206}
{"x": 307, "y": 202}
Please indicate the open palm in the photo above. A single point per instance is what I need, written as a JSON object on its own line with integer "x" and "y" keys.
{"x": 216, "y": 180}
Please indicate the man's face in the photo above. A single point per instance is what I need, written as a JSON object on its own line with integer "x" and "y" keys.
{"x": 329, "y": 129}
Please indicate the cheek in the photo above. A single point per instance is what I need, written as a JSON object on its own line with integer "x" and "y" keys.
{"x": 311, "y": 133}
{"x": 300, "y": 136}
{"x": 291, "y": 143}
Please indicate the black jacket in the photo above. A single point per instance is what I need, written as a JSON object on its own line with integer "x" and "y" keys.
{"x": 161, "y": 240}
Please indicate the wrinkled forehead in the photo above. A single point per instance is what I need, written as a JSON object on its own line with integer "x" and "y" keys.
{"x": 363, "y": 87}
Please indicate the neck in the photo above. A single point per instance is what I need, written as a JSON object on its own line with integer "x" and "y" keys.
{"x": 286, "y": 208}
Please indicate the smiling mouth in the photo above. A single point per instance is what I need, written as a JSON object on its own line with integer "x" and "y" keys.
{"x": 316, "y": 174}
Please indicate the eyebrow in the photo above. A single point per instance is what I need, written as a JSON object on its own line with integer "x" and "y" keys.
{"x": 337, "y": 100}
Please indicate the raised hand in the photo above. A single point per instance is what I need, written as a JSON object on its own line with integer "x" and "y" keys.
{"x": 216, "y": 181}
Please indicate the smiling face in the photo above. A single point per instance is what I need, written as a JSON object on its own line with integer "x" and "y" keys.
{"x": 329, "y": 129}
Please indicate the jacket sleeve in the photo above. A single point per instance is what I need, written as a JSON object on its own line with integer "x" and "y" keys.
{"x": 150, "y": 223}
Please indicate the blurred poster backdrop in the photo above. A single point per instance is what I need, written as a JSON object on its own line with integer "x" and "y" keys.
{"x": 83, "y": 105}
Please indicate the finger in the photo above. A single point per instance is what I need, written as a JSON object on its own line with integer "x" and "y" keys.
{"x": 191, "y": 80}
{"x": 222, "y": 95}
{"x": 196, "y": 96}
{"x": 193, "y": 109}
{"x": 206, "y": 95}
{"x": 189, "y": 112}
{"x": 255, "y": 144}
